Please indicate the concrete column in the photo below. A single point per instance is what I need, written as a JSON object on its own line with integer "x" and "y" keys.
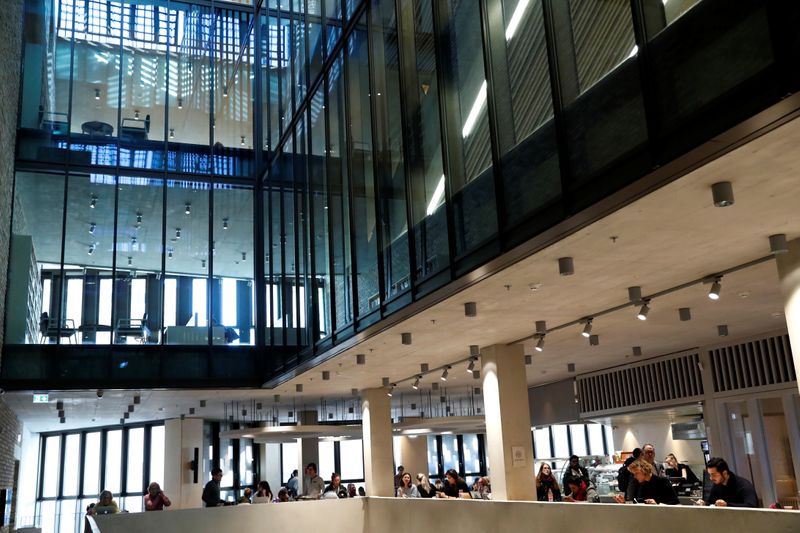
{"x": 789, "y": 276}
{"x": 270, "y": 458}
{"x": 181, "y": 437}
{"x": 508, "y": 429}
{"x": 376, "y": 419}
{"x": 308, "y": 448}
{"x": 413, "y": 452}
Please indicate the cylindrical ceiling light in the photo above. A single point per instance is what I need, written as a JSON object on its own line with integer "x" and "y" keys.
{"x": 471, "y": 366}
{"x": 471, "y": 309}
{"x": 415, "y": 385}
{"x": 722, "y": 192}
{"x": 716, "y": 288}
{"x": 444, "y": 373}
{"x": 566, "y": 266}
{"x": 778, "y": 244}
{"x": 635, "y": 294}
{"x": 587, "y": 328}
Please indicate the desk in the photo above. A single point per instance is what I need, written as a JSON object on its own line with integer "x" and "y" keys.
{"x": 193, "y": 335}
{"x": 95, "y": 128}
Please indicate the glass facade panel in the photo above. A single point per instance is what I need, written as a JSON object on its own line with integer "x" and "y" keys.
{"x": 541, "y": 443}
{"x": 560, "y": 441}
{"x": 52, "y": 456}
{"x": 351, "y": 455}
{"x": 326, "y": 461}
{"x": 577, "y": 435}
{"x": 113, "y": 472}
{"x": 289, "y": 460}
{"x": 91, "y": 465}
{"x": 135, "y": 467}
{"x": 450, "y": 452}
{"x": 157, "y": 447}
{"x": 596, "y": 443}
{"x": 362, "y": 184}
{"x": 471, "y": 188}
{"x": 472, "y": 456}
{"x": 72, "y": 461}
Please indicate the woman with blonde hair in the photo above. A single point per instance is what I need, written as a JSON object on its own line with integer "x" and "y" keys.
{"x": 547, "y": 489}
{"x": 424, "y": 487}
{"x": 651, "y": 489}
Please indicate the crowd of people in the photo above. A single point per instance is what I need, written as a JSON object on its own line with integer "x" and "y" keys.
{"x": 641, "y": 479}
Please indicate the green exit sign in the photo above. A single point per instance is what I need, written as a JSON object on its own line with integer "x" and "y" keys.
{"x": 41, "y": 398}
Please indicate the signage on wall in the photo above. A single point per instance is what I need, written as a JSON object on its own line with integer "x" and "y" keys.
{"x": 41, "y": 398}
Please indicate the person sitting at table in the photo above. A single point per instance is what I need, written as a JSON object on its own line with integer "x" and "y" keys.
{"x": 245, "y": 499}
{"x": 547, "y": 489}
{"x": 155, "y": 499}
{"x": 263, "y": 494}
{"x": 336, "y": 486}
{"x": 406, "y": 488}
{"x": 580, "y": 490}
{"x": 351, "y": 490}
{"x": 650, "y": 488}
{"x": 283, "y": 495}
{"x": 424, "y": 487}
{"x": 729, "y": 490}
{"x": 454, "y": 486}
{"x": 105, "y": 504}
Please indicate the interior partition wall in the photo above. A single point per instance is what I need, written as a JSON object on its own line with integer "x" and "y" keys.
{"x": 288, "y": 174}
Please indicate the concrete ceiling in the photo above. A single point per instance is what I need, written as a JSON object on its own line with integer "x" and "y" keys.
{"x": 669, "y": 237}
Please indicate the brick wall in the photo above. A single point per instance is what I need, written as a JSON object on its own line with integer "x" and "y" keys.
{"x": 11, "y": 28}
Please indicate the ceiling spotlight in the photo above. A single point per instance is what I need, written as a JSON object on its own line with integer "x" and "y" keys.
{"x": 133, "y": 240}
{"x": 172, "y": 133}
{"x": 244, "y": 256}
{"x": 645, "y": 309}
{"x": 471, "y": 309}
{"x": 594, "y": 340}
{"x": 389, "y": 392}
{"x": 777, "y": 244}
{"x": 722, "y": 192}
{"x": 180, "y": 103}
{"x": 224, "y": 223}
{"x": 566, "y": 266}
{"x": 722, "y": 330}
{"x": 93, "y": 202}
{"x": 444, "y": 374}
{"x": 188, "y": 208}
{"x": 587, "y": 329}
{"x": 716, "y": 287}
{"x": 471, "y": 366}
{"x": 97, "y": 94}
{"x": 203, "y": 264}
{"x": 415, "y": 386}
{"x": 136, "y": 114}
{"x": 177, "y": 233}
{"x": 540, "y": 344}
{"x": 130, "y": 261}
{"x": 243, "y": 138}
{"x": 225, "y": 92}
{"x": 92, "y": 227}
{"x": 138, "y": 217}
{"x": 91, "y": 249}
{"x": 169, "y": 253}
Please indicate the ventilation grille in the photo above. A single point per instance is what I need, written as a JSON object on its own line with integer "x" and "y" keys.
{"x": 662, "y": 380}
{"x": 758, "y": 363}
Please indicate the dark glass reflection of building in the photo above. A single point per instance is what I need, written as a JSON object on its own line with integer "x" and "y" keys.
{"x": 231, "y": 193}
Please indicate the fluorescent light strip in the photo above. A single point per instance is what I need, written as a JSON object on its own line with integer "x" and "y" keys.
{"x": 477, "y": 107}
{"x": 438, "y": 194}
{"x": 522, "y": 5}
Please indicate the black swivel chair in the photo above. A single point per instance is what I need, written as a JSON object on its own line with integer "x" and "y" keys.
{"x": 133, "y": 327}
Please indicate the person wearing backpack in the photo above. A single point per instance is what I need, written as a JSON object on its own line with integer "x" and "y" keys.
{"x": 623, "y": 474}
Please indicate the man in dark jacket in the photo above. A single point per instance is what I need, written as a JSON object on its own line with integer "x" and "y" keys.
{"x": 729, "y": 490}
{"x": 574, "y": 469}
{"x": 211, "y": 490}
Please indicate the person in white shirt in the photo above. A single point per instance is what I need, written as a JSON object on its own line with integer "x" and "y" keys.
{"x": 313, "y": 485}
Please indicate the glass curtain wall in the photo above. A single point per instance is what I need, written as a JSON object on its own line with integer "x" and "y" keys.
{"x": 75, "y": 466}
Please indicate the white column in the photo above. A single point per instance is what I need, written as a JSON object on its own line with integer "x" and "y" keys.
{"x": 181, "y": 437}
{"x": 789, "y": 276}
{"x": 271, "y": 466}
{"x": 413, "y": 452}
{"x": 508, "y": 422}
{"x": 376, "y": 419}
{"x": 308, "y": 448}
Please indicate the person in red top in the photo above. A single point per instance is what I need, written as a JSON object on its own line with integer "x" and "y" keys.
{"x": 155, "y": 499}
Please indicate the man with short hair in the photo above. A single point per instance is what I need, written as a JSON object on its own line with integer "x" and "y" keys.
{"x": 574, "y": 469}
{"x": 211, "y": 490}
{"x": 336, "y": 486}
{"x": 398, "y": 479}
{"x": 729, "y": 490}
{"x": 313, "y": 485}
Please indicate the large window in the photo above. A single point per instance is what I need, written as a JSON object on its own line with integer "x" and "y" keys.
{"x": 121, "y": 451}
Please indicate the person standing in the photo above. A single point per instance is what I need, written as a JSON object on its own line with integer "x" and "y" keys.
{"x": 398, "y": 479}
{"x": 313, "y": 485}
{"x": 729, "y": 490}
{"x": 336, "y": 486}
{"x": 155, "y": 499}
{"x": 211, "y": 490}
{"x": 293, "y": 485}
{"x": 574, "y": 469}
